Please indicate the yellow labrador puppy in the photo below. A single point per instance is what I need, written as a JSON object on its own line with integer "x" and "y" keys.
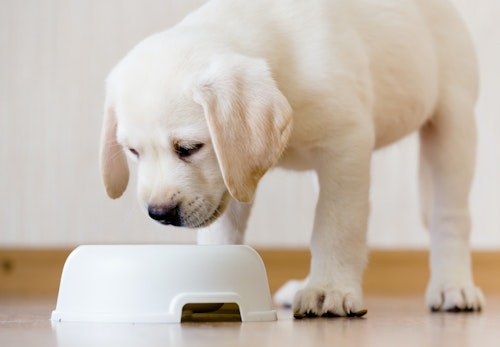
{"x": 209, "y": 106}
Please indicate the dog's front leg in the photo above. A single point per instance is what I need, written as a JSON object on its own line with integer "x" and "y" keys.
{"x": 338, "y": 243}
{"x": 229, "y": 228}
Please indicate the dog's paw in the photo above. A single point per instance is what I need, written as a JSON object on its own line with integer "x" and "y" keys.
{"x": 466, "y": 298}
{"x": 326, "y": 301}
{"x": 284, "y": 296}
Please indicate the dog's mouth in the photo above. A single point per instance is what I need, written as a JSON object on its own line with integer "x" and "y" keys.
{"x": 216, "y": 214}
{"x": 209, "y": 220}
{"x": 193, "y": 218}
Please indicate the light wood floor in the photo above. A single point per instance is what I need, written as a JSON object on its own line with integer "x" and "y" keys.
{"x": 391, "y": 321}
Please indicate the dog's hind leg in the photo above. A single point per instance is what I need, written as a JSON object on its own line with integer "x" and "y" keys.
{"x": 425, "y": 189}
{"x": 229, "y": 228}
{"x": 447, "y": 165}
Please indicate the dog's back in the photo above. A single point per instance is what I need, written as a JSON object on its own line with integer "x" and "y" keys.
{"x": 380, "y": 55}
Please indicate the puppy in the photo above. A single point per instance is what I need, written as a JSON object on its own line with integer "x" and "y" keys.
{"x": 209, "y": 106}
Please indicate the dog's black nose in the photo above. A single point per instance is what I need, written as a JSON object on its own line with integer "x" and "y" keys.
{"x": 168, "y": 215}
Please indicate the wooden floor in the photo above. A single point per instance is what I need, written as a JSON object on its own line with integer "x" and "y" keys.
{"x": 391, "y": 321}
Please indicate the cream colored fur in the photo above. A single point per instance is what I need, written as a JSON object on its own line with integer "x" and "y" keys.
{"x": 238, "y": 87}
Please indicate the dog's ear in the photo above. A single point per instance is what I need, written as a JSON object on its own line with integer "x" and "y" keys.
{"x": 249, "y": 120}
{"x": 113, "y": 162}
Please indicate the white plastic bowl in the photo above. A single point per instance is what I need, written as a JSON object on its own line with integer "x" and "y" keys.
{"x": 153, "y": 283}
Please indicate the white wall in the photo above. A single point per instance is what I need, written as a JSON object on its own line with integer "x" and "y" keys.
{"x": 54, "y": 56}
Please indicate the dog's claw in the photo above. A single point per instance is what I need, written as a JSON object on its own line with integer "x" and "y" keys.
{"x": 330, "y": 315}
{"x": 456, "y": 309}
{"x": 301, "y": 315}
{"x": 357, "y": 314}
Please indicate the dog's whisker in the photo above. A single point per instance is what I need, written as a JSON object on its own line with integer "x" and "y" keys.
{"x": 201, "y": 212}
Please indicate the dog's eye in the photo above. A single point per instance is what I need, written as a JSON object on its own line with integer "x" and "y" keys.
{"x": 134, "y": 152}
{"x": 184, "y": 151}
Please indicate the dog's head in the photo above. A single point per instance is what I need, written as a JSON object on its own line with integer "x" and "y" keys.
{"x": 202, "y": 128}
